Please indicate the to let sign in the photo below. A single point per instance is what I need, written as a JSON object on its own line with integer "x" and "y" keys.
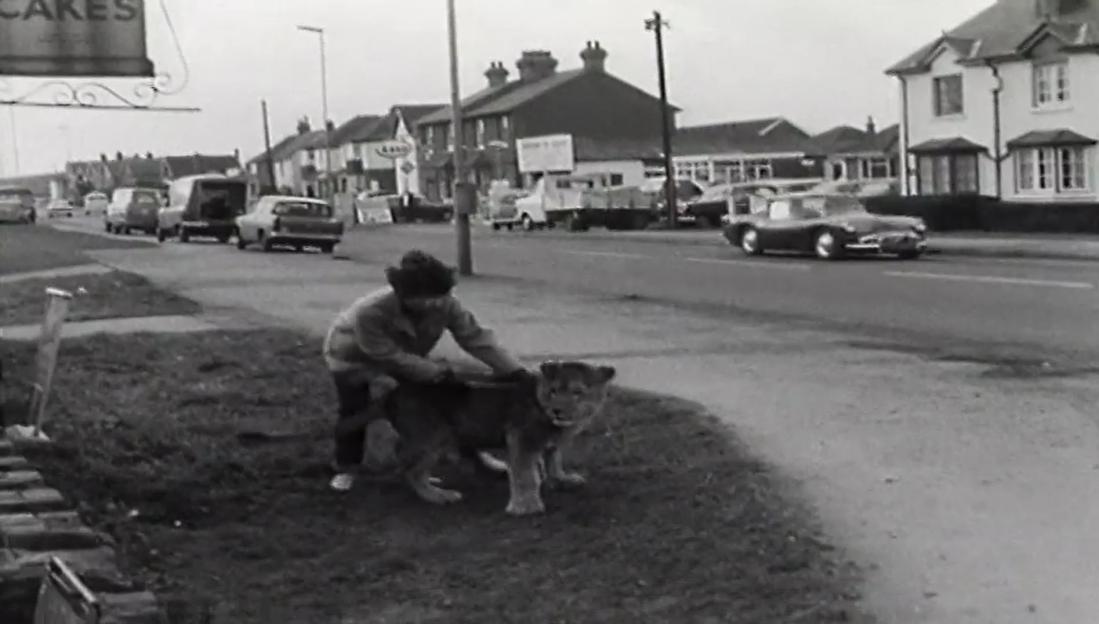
{"x": 104, "y": 38}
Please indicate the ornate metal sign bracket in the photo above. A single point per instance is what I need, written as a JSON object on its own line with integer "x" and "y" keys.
{"x": 96, "y": 95}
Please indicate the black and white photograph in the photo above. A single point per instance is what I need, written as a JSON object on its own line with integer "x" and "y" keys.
{"x": 571, "y": 312}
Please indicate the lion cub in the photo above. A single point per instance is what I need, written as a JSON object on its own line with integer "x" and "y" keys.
{"x": 533, "y": 423}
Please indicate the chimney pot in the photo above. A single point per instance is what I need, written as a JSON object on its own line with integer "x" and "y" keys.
{"x": 594, "y": 57}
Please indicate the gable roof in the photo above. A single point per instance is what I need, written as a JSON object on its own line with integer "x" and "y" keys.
{"x": 278, "y": 150}
{"x": 851, "y": 140}
{"x": 1007, "y": 28}
{"x": 514, "y": 94}
{"x": 412, "y": 113}
{"x": 354, "y": 130}
{"x": 770, "y": 135}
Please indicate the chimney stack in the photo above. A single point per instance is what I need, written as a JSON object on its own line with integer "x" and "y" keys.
{"x": 303, "y": 125}
{"x": 871, "y": 129}
{"x": 497, "y": 74}
{"x": 330, "y": 125}
{"x": 594, "y": 57}
{"x": 536, "y": 65}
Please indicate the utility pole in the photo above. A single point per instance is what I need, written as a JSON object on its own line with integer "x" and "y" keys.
{"x": 267, "y": 145}
{"x": 463, "y": 195}
{"x": 658, "y": 25}
{"x": 330, "y": 186}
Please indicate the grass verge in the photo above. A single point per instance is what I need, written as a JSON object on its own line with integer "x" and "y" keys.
{"x": 679, "y": 522}
{"x": 38, "y": 247}
{"x": 107, "y": 295}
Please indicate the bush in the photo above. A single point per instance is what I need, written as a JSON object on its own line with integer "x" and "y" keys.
{"x": 951, "y": 213}
{"x": 941, "y": 213}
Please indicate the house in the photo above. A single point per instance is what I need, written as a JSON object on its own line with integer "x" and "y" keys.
{"x": 614, "y": 127}
{"x": 1004, "y": 105}
{"x": 855, "y": 154}
{"x": 739, "y": 151}
{"x": 355, "y": 162}
{"x": 263, "y": 174}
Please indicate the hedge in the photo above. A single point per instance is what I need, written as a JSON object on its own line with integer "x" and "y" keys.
{"x": 975, "y": 212}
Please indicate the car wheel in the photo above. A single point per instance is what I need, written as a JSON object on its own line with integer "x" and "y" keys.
{"x": 749, "y": 242}
{"x": 327, "y": 248}
{"x": 184, "y": 236}
{"x": 496, "y": 227}
{"x": 224, "y": 238}
{"x": 241, "y": 243}
{"x": 161, "y": 235}
{"x": 826, "y": 246}
{"x": 126, "y": 230}
{"x": 528, "y": 223}
{"x": 909, "y": 255}
{"x": 107, "y": 228}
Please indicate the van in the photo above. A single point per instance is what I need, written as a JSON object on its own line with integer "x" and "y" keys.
{"x": 202, "y": 205}
{"x": 132, "y": 209}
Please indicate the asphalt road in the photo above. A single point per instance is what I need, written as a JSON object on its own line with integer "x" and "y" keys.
{"x": 1027, "y": 305}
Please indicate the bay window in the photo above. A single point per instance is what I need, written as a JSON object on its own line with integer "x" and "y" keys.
{"x": 948, "y": 174}
{"x": 1052, "y": 170}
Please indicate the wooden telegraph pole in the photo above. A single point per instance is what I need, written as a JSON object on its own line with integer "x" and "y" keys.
{"x": 657, "y": 24}
{"x": 463, "y": 195}
{"x": 267, "y": 145}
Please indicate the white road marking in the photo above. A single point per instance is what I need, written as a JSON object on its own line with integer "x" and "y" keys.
{"x": 992, "y": 279}
{"x": 607, "y": 254}
{"x": 752, "y": 263}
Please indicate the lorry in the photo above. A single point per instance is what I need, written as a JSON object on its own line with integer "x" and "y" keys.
{"x": 574, "y": 201}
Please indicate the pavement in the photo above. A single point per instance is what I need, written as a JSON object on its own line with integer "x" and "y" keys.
{"x": 955, "y": 461}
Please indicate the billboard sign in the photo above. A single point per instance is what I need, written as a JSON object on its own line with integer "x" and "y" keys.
{"x": 552, "y": 152}
{"x": 93, "y": 38}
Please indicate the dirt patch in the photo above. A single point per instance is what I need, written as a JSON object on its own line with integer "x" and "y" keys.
{"x": 678, "y": 523}
{"x": 107, "y": 295}
{"x": 37, "y": 248}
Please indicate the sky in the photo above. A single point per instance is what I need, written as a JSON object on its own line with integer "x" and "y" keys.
{"x": 819, "y": 63}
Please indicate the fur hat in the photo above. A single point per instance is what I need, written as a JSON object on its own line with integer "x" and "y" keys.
{"x": 421, "y": 275}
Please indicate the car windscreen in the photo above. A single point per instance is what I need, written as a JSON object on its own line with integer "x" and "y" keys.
{"x": 143, "y": 198}
{"x": 302, "y": 209}
{"x": 836, "y": 206}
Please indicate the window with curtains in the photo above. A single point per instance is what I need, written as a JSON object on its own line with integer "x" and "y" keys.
{"x": 1052, "y": 170}
{"x": 949, "y": 98}
{"x": 948, "y": 174}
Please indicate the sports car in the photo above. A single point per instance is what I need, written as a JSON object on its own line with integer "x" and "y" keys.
{"x": 828, "y": 225}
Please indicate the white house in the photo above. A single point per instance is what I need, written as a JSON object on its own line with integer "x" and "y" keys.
{"x": 1005, "y": 105}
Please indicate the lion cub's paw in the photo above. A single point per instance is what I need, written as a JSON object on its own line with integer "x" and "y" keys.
{"x": 568, "y": 481}
{"x": 525, "y": 507}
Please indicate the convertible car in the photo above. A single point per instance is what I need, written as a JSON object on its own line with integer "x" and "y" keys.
{"x": 827, "y": 225}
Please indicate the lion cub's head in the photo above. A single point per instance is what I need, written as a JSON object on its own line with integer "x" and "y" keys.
{"x": 573, "y": 392}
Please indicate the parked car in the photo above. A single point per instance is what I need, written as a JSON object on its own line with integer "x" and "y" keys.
{"x": 17, "y": 205}
{"x": 297, "y": 222}
{"x": 410, "y": 208}
{"x": 686, "y": 191}
{"x": 827, "y": 225}
{"x": 202, "y": 205}
{"x": 132, "y": 209}
{"x": 96, "y": 203}
{"x": 59, "y": 207}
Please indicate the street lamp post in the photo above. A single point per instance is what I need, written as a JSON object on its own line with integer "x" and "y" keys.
{"x": 462, "y": 194}
{"x": 324, "y": 110}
